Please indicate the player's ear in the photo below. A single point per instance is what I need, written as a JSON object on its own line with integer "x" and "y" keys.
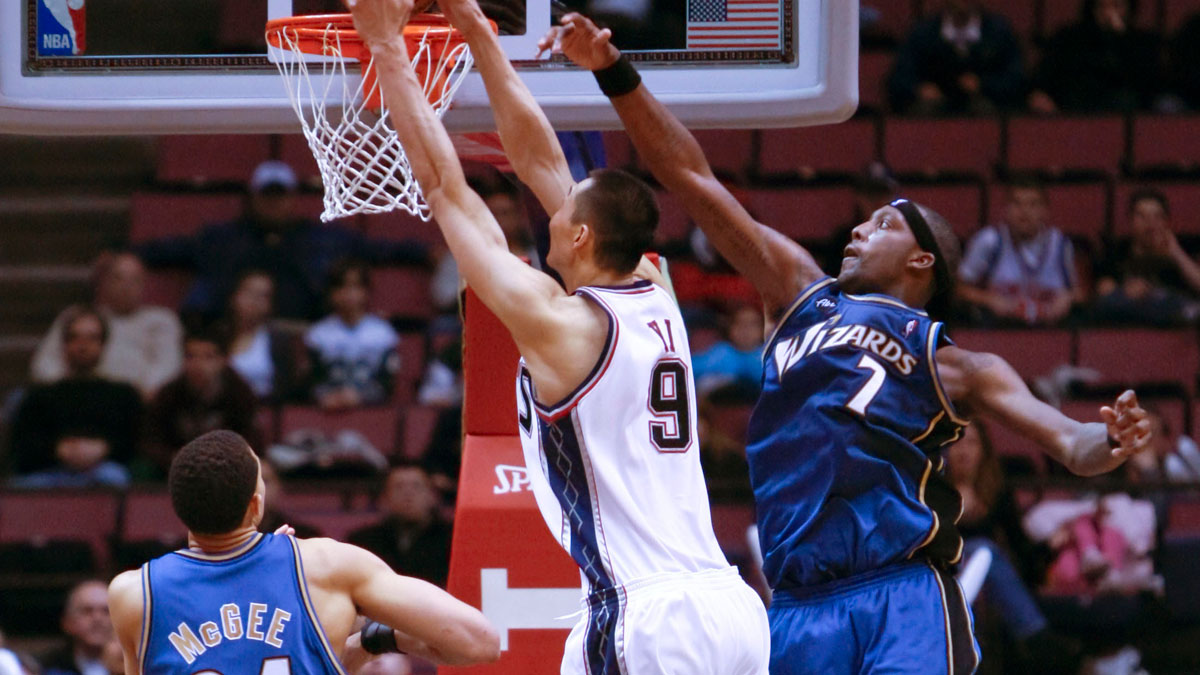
{"x": 583, "y": 234}
{"x": 921, "y": 260}
{"x": 257, "y": 509}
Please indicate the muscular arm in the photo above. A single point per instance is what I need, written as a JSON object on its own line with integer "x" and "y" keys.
{"x": 777, "y": 266}
{"x": 125, "y": 611}
{"x": 986, "y": 384}
{"x": 428, "y": 621}
{"x": 519, "y": 295}
{"x": 529, "y": 141}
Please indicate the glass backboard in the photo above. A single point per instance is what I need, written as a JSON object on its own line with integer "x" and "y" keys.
{"x": 141, "y": 66}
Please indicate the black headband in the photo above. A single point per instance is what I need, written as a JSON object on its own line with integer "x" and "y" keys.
{"x": 927, "y": 242}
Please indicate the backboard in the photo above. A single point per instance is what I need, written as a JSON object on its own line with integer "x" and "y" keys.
{"x": 144, "y": 66}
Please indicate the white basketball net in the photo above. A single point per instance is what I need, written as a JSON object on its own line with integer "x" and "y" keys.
{"x": 363, "y": 166}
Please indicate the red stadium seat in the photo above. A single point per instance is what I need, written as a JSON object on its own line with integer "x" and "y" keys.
{"x": 730, "y": 522}
{"x": 1183, "y": 196}
{"x": 702, "y": 337}
{"x": 803, "y": 213}
{"x": 305, "y": 501}
{"x": 1176, "y": 12}
{"x": 1078, "y": 209}
{"x": 1169, "y": 142}
{"x": 419, "y": 423}
{"x": 412, "y": 356}
{"x": 267, "y": 422}
{"x": 1023, "y": 15}
{"x": 154, "y": 215}
{"x": 1030, "y": 352}
{"x": 214, "y": 158}
{"x": 339, "y": 524}
{"x": 959, "y": 203}
{"x": 294, "y": 150}
{"x": 673, "y": 222}
{"x": 874, "y": 67}
{"x": 895, "y": 18}
{"x": 1183, "y": 516}
{"x": 1012, "y": 446}
{"x": 1058, "y": 14}
{"x": 618, "y": 150}
{"x": 1131, "y": 356}
{"x": 402, "y": 292}
{"x": 52, "y": 515}
{"x": 400, "y": 225}
{"x": 729, "y": 151}
{"x": 149, "y": 516}
{"x": 732, "y": 420}
{"x": 166, "y": 287}
{"x": 310, "y": 206}
{"x": 944, "y": 146}
{"x": 845, "y": 148}
{"x": 1065, "y": 144}
{"x": 240, "y": 25}
{"x": 379, "y": 425}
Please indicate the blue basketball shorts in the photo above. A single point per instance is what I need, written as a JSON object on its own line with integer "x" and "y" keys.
{"x": 907, "y": 618}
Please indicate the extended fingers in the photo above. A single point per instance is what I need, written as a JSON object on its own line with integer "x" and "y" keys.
{"x": 1133, "y": 439}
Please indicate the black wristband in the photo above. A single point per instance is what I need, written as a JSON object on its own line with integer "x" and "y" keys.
{"x": 618, "y": 79}
{"x": 378, "y": 638}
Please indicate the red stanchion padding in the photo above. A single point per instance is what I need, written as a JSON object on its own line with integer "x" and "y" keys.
{"x": 505, "y": 562}
{"x": 489, "y": 372}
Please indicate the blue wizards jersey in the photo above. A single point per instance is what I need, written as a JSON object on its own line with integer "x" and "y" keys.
{"x": 845, "y": 442}
{"x": 247, "y": 611}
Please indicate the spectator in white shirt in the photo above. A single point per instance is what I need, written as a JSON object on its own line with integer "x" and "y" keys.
{"x": 143, "y": 347}
{"x": 352, "y": 352}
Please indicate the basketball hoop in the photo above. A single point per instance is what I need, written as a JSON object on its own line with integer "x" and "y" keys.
{"x": 363, "y": 166}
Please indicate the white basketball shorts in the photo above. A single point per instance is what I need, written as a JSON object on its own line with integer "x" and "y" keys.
{"x": 700, "y": 623}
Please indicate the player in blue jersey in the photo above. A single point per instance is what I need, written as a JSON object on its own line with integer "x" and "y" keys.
{"x": 861, "y": 390}
{"x": 239, "y": 601}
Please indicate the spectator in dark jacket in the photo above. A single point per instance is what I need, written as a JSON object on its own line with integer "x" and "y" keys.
{"x": 959, "y": 60}
{"x": 83, "y": 429}
{"x": 296, "y": 252}
{"x": 207, "y": 396}
{"x": 411, "y": 538}
{"x": 1148, "y": 277}
{"x": 1103, "y": 63}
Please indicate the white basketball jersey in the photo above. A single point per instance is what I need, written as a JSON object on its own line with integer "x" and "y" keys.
{"x": 615, "y": 466}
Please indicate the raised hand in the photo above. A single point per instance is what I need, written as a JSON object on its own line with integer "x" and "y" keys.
{"x": 582, "y": 41}
{"x": 378, "y": 21}
{"x": 1127, "y": 425}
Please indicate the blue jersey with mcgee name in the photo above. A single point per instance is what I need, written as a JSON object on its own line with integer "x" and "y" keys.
{"x": 246, "y": 612}
{"x": 845, "y": 442}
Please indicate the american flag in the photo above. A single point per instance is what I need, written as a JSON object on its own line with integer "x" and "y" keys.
{"x": 733, "y": 24}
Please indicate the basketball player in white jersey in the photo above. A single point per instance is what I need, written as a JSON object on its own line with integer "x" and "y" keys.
{"x": 607, "y": 414}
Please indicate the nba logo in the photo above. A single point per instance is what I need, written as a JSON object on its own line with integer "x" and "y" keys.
{"x": 60, "y": 27}
{"x": 910, "y": 327}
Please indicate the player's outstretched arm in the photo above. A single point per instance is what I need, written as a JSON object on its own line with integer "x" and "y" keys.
{"x": 777, "y": 266}
{"x": 428, "y": 621}
{"x": 125, "y": 611}
{"x": 519, "y": 295}
{"x": 528, "y": 139}
{"x": 986, "y": 384}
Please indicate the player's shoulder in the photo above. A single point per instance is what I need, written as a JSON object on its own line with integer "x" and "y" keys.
{"x": 125, "y": 591}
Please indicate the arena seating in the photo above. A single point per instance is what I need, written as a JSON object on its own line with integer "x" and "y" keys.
{"x": 932, "y": 148}
{"x": 210, "y": 159}
{"x": 840, "y": 150}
